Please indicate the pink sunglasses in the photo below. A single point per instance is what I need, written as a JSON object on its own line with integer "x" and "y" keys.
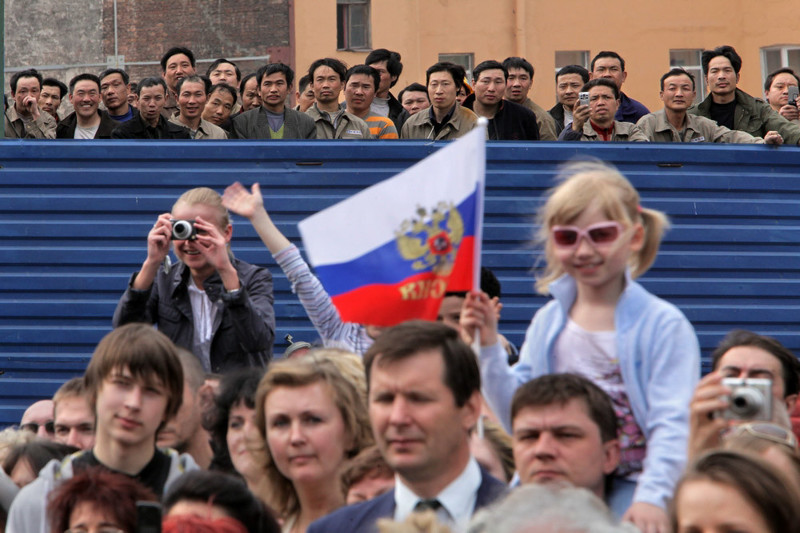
{"x": 600, "y": 233}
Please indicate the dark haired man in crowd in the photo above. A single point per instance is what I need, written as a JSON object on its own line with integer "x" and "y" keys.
{"x": 596, "y": 122}
{"x": 53, "y": 92}
{"x": 134, "y": 383}
{"x": 332, "y": 122}
{"x": 564, "y": 428}
{"x": 272, "y": 119}
{"x": 87, "y": 121}
{"x": 424, "y": 397}
{"x": 23, "y": 119}
{"x": 674, "y": 124}
{"x": 776, "y": 92}
{"x": 414, "y": 98}
{"x": 219, "y": 106}
{"x": 610, "y": 65}
{"x": 225, "y": 71}
{"x": 569, "y": 81}
{"x": 388, "y": 65}
{"x": 250, "y": 92}
{"x": 150, "y": 122}
{"x": 192, "y": 97}
{"x": 359, "y": 91}
{"x": 519, "y": 84}
{"x": 733, "y": 108}
{"x": 178, "y": 62}
{"x": 507, "y": 121}
{"x": 445, "y": 119}
{"x": 115, "y": 89}
{"x": 304, "y": 94}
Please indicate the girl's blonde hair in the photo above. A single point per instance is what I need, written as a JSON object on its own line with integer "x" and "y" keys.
{"x": 205, "y": 196}
{"x": 582, "y": 184}
{"x": 343, "y": 373}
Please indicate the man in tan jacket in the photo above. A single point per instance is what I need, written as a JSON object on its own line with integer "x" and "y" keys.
{"x": 24, "y": 119}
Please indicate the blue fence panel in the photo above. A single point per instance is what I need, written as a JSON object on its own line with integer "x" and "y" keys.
{"x": 74, "y": 218}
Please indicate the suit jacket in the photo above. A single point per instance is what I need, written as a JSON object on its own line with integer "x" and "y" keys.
{"x": 253, "y": 124}
{"x": 362, "y": 517}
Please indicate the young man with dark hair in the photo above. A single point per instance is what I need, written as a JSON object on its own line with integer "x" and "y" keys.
{"x": 224, "y": 71}
{"x": 507, "y": 121}
{"x": 115, "y": 89}
{"x": 776, "y": 92}
{"x": 192, "y": 97}
{"x": 134, "y": 381}
{"x": 674, "y": 124}
{"x": 332, "y": 122}
{"x": 304, "y": 96}
{"x": 445, "y": 119}
{"x": 596, "y": 121}
{"x": 88, "y": 121}
{"x": 53, "y": 92}
{"x": 150, "y": 123}
{"x": 414, "y": 98}
{"x": 272, "y": 119}
{"x": 388, "y": 65}
{"x": 520, "y": 81}
{"x": 424, "y": 397}
{"x": 564, "y": 429}
{"x": 610, "y": 65}
{"x": 178, "y": 62}
{"x": 220, "y": 105}
{"x": 569, "y": 81}
{"x": 23, "y": 119}
{"x": 359, "y": 91}
{"x": 733, "y": 108}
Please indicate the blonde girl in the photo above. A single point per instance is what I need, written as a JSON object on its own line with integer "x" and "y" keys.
{"x": 603, "y": 325}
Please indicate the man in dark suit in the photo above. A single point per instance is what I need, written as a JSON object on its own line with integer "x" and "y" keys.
{"x": 424, "y": 396}
{"x": 273, "y": 120}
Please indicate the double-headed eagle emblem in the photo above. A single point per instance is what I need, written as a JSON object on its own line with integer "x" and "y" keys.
{"x": 432, "y": 239}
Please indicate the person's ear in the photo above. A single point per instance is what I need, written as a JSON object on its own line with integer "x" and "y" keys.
{"x": 611, "y": 456}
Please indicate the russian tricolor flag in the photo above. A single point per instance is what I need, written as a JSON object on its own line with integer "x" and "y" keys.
{"x": 389, "y": 253}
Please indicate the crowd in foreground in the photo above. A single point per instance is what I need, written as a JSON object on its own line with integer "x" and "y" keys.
{"x": 223, "y": 104}
{"x": 601, "y": 425}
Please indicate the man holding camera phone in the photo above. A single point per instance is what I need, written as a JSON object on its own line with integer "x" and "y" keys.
{"x": 744, "y": 355}
{"x": 593, "y": 116}
{"x": 780, "y": 91}
{"x": 24, "y": 119}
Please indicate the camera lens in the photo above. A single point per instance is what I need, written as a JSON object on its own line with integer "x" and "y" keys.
{"x": 181, "y": 230}
{"x": 746, "y": 402}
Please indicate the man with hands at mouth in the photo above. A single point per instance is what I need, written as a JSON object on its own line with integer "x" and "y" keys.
{"x": 212, "y": 304}
{"x": 24, "y": 119}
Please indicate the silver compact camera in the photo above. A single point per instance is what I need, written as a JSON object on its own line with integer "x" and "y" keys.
{"x": 183, "y": 230}
{"x": 750, "y": 399}
{"x": 583, "y": 98}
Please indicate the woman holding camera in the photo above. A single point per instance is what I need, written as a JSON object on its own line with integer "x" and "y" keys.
{"x": 210, "y": 303}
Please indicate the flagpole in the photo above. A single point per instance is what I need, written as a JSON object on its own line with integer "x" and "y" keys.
{"x": 483, "y": 125}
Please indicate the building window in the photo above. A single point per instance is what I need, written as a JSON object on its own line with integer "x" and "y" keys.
{"x": 466, "y": 60}
{"x": 776, "y": 57}
{"x": 352, "y": 25}
{"x": 572, "y": 57}
{"x": 689, "y": 60}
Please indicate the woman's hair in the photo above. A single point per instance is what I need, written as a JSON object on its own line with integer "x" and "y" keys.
{"x": 205, "y": 196}
{"x": 238, "y": 387}
{"x": 583, "y": 184}
{"x": 343, "y": 374}
{"x": 500, "y": 442}
{"x": 37, "y": 453}
{"x": 11, "y": 437}
{"x": 764, "y": 487}
{"x": 226, "y": 492}
{"x": 115, "y": 494}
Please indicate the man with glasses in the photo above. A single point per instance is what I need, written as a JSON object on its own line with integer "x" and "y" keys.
{"x": 38, "y": 418}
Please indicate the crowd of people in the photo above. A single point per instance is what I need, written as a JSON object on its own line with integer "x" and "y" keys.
{"x": 599, "y": 423}
{"x": 337, "y": 102}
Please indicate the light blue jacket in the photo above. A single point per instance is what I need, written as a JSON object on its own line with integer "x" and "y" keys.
{"x": 659, "y": 359}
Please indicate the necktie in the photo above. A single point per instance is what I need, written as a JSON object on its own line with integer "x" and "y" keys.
{"x": 423, "y": 505}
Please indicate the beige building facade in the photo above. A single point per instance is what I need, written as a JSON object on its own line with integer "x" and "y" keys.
{"x": 650, "y": 36}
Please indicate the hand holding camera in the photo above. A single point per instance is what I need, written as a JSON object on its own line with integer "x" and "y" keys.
{"x": 790, "y": 111}
{"x": 580, "y": 112}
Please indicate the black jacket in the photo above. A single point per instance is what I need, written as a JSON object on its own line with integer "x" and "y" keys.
{"x": 512, "y": 122}
{"x": 397, "y": 113}
{"x": 67, "y": 125}
{"x": 136, "y": 128}
{"x": 557, "y": 112}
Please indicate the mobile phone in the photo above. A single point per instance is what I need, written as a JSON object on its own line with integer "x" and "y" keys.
{"x": 793, "y": 92}
{"x": 148, "y": 517}
{"x": 583, "y": 98}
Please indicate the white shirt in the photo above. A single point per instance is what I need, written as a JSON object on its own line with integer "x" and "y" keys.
{"x": 457, "y": 499}
{"x": 203, "y": 313}
{"x": 85, "y": 133}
